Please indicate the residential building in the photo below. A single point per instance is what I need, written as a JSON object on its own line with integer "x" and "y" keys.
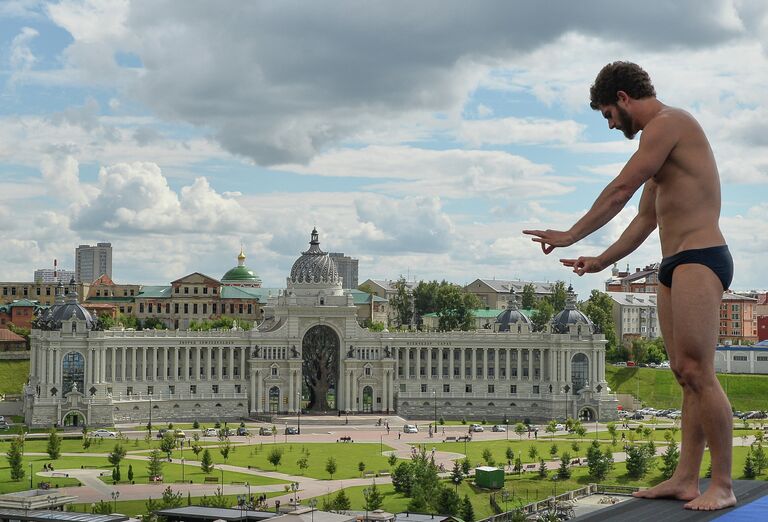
{"x": 738, "y": 322}
{"x": 641, "y": 281}
{"x": 310, "y": 353}
{"x": 634, "y": 315}
{"x": 20, "y": 313}
{"x": 495, "y": 293}
{"x": 386, "y": 289}
{"x": 53, "y": 275}
{"x": 11, "y": 342}
{"x": 347, "y": 268}
{"x": 92, "y": 262}
{"x": 43, "y": 293}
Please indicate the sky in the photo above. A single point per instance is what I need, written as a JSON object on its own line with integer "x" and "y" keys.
{"x": 418, "y": 137}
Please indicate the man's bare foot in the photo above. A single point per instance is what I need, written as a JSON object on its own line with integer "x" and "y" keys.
{"x": 671, "y": 489}
{"x": 713, "y": 498}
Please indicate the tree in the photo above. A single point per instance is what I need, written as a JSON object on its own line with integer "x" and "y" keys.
{"x": 373, "y": 498}
{"x": 533, "y": 453}
{"x": 457, "y": 476}
{"x": 488, "y": 457}
{"x": 206, "y": 463}
{"x": 155, "y": 465}
{"x": 750, "y": 471}
{"x": 171, "y": 500}
{"x": 509, "y": 453}
{"x": 130, "y": 473}
{"x": 117, "y": 455}
{"x": 669, "y": 459}
{"x": 401, "y": 303}
{"x": 15, "y": 457}
{"x": 54, "y": 444}
{"x": 467, "y": 512}
{"x": 541, "y": 315}
{"x": 542, "y": 469}
{"x": 521, "y": 429}
{"x": 101, "y": 508}
{"x": 758, "y": 455}
{"x": 226, "y": 449}
{"x": 466, "y": 465}
{"x": 341, "y": 502}
{"x": 217, "y": 500}
{"x": 392, "y": 459}
{"x": 86, "y": 438}
{"x": 598, "y": 462}
{"x": 402, "y": 478}
{"x": 330, "y": 467}
{"x": 528, "y": 296}
{"x": 303, "y": 464}
{"x": 638, "y": 461}
{"x": 456, "y": 308}
{"x": 275, "y": 456}
{"x": 564, "y": 471}
{"x": 553, "y": 449}
{"x": 116, "y": 474}
{"x": 168, "y": 443}
{"x": 558, "y": 296}
{"x": 447, "y": 502}
{"x": 612, "y": 432}
{"x": 599, "y": 309}
{"x": 551, "y": 428}
{"x": 518, "y": 465}
{"x": 425, "y": 298}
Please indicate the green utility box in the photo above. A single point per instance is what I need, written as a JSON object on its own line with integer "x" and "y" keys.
{"x": 489, "y": 477}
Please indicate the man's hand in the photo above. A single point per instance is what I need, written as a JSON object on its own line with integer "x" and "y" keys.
{"x": 550, "y": 239}
{"x": 584, "y": 265}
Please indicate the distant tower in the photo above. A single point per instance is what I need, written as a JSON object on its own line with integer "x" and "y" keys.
{"x": 91, "y": 262}
{"x": 347, "y": 267}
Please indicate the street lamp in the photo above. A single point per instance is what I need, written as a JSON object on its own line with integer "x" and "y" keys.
{"x": 434, "y": 399}
{"x": 312, "y": 504}
{"x": 566, "y": 389}
{"x": 115, "y": 495}
{"x": 182, "y": 469}
{"x": 298, "y": 414}
{"x": 149, "y": 426}
{"x": 30, "y": 475}
{"x": 456, "y": 481}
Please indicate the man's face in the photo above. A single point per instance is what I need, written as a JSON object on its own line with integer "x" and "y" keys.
{"x": 619, "y": 119}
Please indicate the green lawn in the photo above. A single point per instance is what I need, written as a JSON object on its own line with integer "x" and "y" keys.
{"x": 7, "y": 485}
{"x": 75, "y": 445}
{"x": 13, "y": 375}
{"x": 657, "y": 435}
{"x": 659, "y": 389}
{"x": 347, "y": 458}
{"x": 191, "y": 473}
{"x": 498, "y": 449}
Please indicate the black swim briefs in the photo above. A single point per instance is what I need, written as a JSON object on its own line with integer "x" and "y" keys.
{"x": 718, "y": 259}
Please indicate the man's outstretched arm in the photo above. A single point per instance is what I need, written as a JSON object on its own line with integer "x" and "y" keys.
{"x": 656, "y": 142}
{"x": 633, "y": 236}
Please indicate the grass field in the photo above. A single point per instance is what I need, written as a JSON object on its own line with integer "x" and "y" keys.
{"x": 659, "y": 389}
{"x": 13, "y": 375}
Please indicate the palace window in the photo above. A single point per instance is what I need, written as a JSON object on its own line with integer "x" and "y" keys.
{"x": 215, "y": 388}
{"x": 423, "y": 388}
{"x": 535, "y": 389}
{"x": 73, "y": 370}
{"x": 467, "y": 388}
{"x": 446, "y": 388}
{"x": 491, "y": 388}
{"x": 193, "y": 389}
{"x": 513, "y": 389}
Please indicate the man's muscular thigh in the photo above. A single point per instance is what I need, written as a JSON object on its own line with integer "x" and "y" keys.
{"x": 696, "y": 295}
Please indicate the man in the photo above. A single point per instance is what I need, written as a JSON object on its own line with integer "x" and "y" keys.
{"x": 681, "y": 195}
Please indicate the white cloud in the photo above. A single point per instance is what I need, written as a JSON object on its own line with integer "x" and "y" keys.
{"x": 519, "y": 131}
{"x": 21, "y": 57}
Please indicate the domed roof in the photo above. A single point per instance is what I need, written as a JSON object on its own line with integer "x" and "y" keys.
{"x": 512, "y": 315}
{"x": 314, "y": 265}
{"x": 63, "y": 310}
{"x": 570, "y": 316}
{"x": 241, "y": 274}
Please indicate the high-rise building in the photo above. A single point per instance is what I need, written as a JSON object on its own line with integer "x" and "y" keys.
{"x": 347, "y": 268}
{"x": 52, "y": 275}
{"x": 92, "y": 262}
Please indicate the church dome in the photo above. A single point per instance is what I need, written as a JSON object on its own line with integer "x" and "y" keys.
{"x": 241, "y": 275}
{"x": 570, "y": 316}
{"x": 314, "y": 265}
{"x": 63, "y": 310}
{"x": 512, "y": 315}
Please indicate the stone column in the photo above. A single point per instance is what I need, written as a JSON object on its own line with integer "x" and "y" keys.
{"x": 231, "y": 362}
{"x": 113, "y": 353}
{"x": 391, "y": 391}
{"x": 242, "y": 363}
{"x": 51, "y": 368}
{"x": 508, "y": 362}
{"x": 418, "y": 363}
{"x": 208, "y": 363}
{"x": 519, "y": 364}
{"x": 450, "y": 363}
{"x": 384, "y": 392}
{"x": 133, "y": 364}
{"x": 33, "y": 362}
{"x": 496, "y": 371}
{"x": 440, "y": 352}
{"x": 196, "y": 369}
{"x": 485, "y": 362}
{"x": 220, "y": 363}
{"x": 291, "y": 376}
{"x": 89, "y": 374}
{"x": 259, "y": 391}
{"x": 144, "y": 363}
{"x": 530, "y": 363}
{"x": 473, "y": 354}
{"x": 122, "y": 364}
{"x": 407, "y": 363}
{"x": 165, "y": 362}
{"x": 463, "y": 363}
{"x": 254, "y": 402}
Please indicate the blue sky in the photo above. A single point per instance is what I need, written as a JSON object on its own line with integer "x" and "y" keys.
{"x": 420, "y": 138}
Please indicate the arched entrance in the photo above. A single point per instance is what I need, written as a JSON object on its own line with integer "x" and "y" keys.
{"x": 587, "y": 414}
{"x": 367, "y": 399}
{"x": 274, "y": 399}
{"x": 579, "y": 371}
{"x": 320, "y": 368}
{"x": 73, "y": 419}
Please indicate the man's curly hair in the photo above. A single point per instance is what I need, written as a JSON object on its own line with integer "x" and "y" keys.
{"x": 620, "y": 76}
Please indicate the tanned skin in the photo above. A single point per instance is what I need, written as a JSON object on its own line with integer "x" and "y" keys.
{"x": 681, "y": 195}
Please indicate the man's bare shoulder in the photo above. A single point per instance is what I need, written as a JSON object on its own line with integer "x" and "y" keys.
{"x": 670, "y": 118}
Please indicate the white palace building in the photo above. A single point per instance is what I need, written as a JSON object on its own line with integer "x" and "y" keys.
{"x": 309, "y": 352}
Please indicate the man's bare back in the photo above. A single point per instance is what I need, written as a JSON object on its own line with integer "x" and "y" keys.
{"x": 687, "y": 186}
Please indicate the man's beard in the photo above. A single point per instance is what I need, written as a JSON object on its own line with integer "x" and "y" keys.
{"x": 625, "y": 120}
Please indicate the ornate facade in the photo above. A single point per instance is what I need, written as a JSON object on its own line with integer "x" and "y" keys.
{"x": 309, "y": 352}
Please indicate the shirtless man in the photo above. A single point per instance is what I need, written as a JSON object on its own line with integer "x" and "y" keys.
{"x": 681, "y": 195}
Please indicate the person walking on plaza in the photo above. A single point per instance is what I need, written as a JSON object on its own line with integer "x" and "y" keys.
{"x": 681, "y": 196}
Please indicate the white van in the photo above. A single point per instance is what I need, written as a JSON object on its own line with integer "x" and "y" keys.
{"x": 410, "y": 428}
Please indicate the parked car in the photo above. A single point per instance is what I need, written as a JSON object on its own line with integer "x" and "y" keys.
{"x": 4, "y": 425}
{"x": 161, "y": 433}
{"x": 179, "y": 434}
{"x": 620, "y": 363}
{"x": 227, "y": 432}
{"x": 103, "y": 434}
{"x": 242, "y": 431}
{"x": 630, "y": 363}
{"x": 210, "y": 432}
{"x": 559, "y": 427}
{"x": 265, "y": 431}
{"x": 664, "y": 364}
{"x": 636, "y": 416}
{"x": 499, "y": 428}
{"x": 476, "y": 428}
{"x": 675, "y": 414}
{"x": 410, "y": 428}
{"x": 291, "y": 430}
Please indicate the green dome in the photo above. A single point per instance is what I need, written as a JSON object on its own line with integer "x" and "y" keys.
{"x": 241, "y": 274}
